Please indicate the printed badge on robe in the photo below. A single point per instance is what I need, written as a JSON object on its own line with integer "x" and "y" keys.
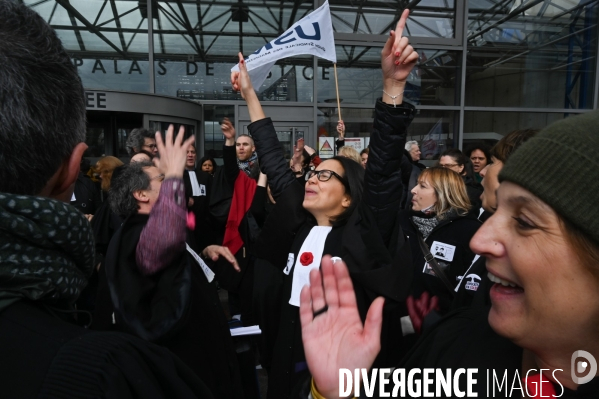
{"x": 444, "y": 253}
{"x": 472, "y": 282}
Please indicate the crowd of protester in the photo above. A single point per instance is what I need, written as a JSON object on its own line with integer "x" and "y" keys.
{"x": 487, "y": 259}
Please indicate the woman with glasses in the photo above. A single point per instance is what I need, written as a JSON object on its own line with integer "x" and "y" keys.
{"x": 342, "y": 211}
{"x": 440, "y": 224}
{"x": 455, "y": 160}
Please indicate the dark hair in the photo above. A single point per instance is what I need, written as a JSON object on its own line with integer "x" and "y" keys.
{"x": 42, "y": 106}
{"x": 365, "y": 151}
{"x": 207, "y": 158}
{"x": 461, "y": 159}
{"x": 456, "y": 155}
{"x": 353, "y": 173}
{"x": 131, "y": 177}
{"x": 481, "y": 147}
{"x": 136, "y": 139}
{"x": 508, "y": 144}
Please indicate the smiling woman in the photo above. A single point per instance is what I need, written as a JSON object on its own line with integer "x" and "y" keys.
{"x": 542, "y": 251}
{"x": 343, "y": 211}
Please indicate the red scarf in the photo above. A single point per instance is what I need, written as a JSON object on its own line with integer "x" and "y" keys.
{"x": 243, "y": 194}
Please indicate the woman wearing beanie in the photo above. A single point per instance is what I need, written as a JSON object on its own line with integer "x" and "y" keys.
{"x": 440, "y": 224}
{"x": 542, "y": 251}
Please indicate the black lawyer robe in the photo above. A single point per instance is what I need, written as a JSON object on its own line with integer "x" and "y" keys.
{"x": 201, "y": 338}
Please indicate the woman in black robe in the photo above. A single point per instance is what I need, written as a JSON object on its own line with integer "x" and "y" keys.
{"x": 340, "y": 213}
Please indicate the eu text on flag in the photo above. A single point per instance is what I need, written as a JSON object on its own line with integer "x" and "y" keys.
{"x": 311, "y": 35}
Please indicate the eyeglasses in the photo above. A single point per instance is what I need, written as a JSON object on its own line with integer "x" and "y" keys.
{"x": 151, "y": 146}
{"x": 325, "y": 175}
{"x": 159, "y": 177}
{"x": 448, "y": 165}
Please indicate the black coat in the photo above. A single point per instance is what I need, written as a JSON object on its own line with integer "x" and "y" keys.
{"x": 200, "y": 336}
{"x": 371, "y": 242}
{"x": 456, "y": 231}
{"x": 87, "y": 195}
{"x": 45, "y": 356}
{"x": 465, "y": 340}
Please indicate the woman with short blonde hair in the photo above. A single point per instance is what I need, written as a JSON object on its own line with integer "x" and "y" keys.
{"x": 351, "y": 153}
{"x": 440, "y": 224}
{"x": 450, "y": 191}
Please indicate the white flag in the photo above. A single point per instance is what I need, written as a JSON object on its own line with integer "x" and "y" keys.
{"x": 312, "y": 34}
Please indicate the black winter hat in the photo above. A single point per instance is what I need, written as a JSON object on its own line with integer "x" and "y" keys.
{"x": 560, "y": 165}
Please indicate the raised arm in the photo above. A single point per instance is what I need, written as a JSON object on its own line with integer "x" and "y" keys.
{"x": 382, "y": 182}
{"x": 336, "y": 338}
{"x": 163, "y": 237}
{"x": 231, "y": 170}
{"x": 270, "y": 153}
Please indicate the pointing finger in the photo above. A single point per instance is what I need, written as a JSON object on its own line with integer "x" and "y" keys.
{"x": 401, "y": 24}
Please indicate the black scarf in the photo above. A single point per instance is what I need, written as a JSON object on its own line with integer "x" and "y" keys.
{"x": 46, "y": 251}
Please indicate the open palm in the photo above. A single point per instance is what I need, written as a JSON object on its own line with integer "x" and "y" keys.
{"x": 336, "y": 338}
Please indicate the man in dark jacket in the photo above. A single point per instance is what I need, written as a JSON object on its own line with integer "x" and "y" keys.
{"x": 46, "y": 250}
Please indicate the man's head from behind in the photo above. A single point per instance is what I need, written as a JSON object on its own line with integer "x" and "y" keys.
{"x": 42, "y": 107}
{"x": 244, "y": 147}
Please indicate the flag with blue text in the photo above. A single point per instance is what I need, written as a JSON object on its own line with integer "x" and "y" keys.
{"x": 311, "y": 35}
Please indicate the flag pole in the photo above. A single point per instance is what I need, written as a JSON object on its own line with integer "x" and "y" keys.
{"x": 337, "y": 88}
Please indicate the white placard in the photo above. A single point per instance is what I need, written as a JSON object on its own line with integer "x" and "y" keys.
{"x": 355, "y": 142}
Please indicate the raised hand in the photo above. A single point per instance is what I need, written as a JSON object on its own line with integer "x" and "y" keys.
{"x": 173, "y": 154}
{"x": 297, "y": 158}
{"x": 398, "y": 57}
{"x": 341, "y": 129}
{"x": 311, "y": 151}
{"x": 336, "y": 338}
{"x": 228, "y": 131}
{"x": 241, "y": 82}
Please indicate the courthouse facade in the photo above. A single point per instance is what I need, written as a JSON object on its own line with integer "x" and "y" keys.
{"x": 486, "y": 66}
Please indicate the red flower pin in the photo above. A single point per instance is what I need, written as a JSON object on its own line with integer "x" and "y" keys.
{"x": 306, "y": 258}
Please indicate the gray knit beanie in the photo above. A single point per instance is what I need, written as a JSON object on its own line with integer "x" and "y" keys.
{"x": 560, "y": 165}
